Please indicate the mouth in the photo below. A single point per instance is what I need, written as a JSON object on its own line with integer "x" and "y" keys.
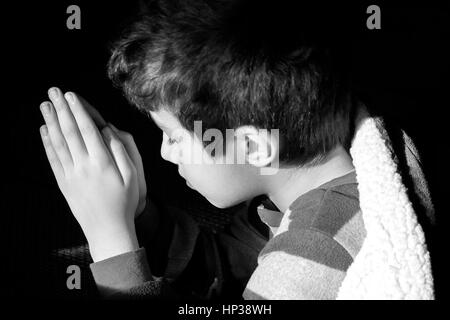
{"x": 187, "y": 182}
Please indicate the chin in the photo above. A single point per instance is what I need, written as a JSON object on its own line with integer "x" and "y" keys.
{"x": 223, "y": 204}
{"x": 218, "y": 205}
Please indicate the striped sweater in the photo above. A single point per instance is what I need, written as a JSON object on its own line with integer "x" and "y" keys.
{"x": 313, "y": 245}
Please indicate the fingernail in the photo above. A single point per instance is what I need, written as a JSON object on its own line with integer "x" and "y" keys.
{"x": 107, "y": 131}
{"x": 69, "y": 97}
{"x": 53, "y": 93}
{"x": 44, "y": 130}
{"x": 45, "y": 108}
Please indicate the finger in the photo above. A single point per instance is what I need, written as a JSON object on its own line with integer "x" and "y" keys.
{"x": 52, "y": 157}
{"x": 128, "y": 141}
{"x": 132, "y": 150}
{"x": 120, "y": 155}
{"x": 68, "y": 125}
{"x": 96, "y": 116}
{"x": 92, "y": 137}
{"x": 55, "y": 135}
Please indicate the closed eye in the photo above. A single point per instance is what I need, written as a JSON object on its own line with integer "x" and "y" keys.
{"x": 171, "y": 141}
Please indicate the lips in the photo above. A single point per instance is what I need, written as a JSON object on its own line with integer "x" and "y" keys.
{"x": 187, "y": 182}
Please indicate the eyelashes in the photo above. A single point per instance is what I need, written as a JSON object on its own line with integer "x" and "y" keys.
{"x": 171, "y": 141}
{"x": 176, "y": 137}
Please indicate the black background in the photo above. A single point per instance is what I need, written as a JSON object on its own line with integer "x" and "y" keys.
{"x": 402, "y": 70}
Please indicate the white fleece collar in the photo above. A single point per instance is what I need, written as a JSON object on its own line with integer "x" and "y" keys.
{"x": 394, "y": 262}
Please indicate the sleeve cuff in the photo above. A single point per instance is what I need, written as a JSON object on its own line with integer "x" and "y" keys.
{"x": 121, "y": 272}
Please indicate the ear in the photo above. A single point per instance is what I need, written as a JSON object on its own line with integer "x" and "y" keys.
{"x": 258, "y": 147}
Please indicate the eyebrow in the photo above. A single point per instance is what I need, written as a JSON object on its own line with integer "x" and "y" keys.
{"x": 161, "y": 126}
{"x": 156, "y": 123}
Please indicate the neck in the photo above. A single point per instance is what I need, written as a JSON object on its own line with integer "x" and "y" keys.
{"x": 288, "y": 184}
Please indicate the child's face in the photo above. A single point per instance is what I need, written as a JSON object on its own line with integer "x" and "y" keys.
{"x": 223, "y": 185}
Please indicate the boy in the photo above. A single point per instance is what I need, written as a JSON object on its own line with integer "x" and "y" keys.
{"x": 223, "y": 65}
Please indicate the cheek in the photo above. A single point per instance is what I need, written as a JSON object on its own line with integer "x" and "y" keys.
{"x": 222, "y": 185}
{"x": 205, "y": 176}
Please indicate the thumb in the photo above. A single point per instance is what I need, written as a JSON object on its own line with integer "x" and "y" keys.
{"x": 129, "y": 144}
{"x": 119, "y": 153}
{"x": 133, "y": 152}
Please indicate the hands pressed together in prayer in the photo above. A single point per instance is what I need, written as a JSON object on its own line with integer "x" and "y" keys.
{"x": 98, "y": 169}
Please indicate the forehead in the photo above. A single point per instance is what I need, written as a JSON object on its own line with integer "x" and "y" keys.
{"x": 165, "y": 119}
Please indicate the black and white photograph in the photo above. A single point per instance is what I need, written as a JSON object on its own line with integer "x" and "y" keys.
{"x": 208, "y": 153}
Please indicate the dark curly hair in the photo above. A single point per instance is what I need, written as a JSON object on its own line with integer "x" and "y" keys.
{"x": 232, "y": 63}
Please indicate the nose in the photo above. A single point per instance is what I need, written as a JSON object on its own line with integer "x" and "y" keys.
{"x": 169, "y": 153}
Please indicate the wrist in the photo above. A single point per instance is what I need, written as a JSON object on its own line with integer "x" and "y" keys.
{"x": 110, "y": 244}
